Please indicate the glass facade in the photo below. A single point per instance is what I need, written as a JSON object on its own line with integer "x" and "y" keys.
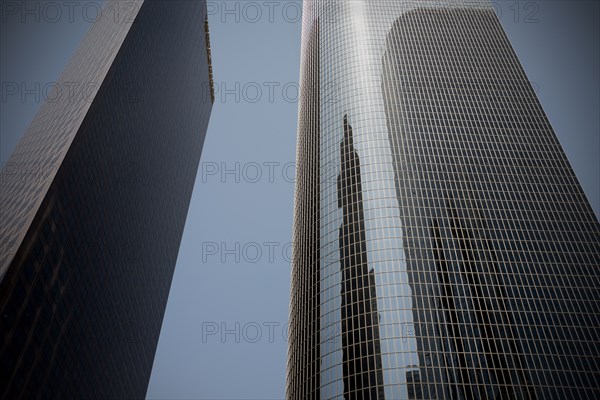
{"x": 94, "y": 240}
{"x": 443, "y": 247}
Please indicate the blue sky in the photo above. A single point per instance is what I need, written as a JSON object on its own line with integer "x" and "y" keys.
{"x": 224, "y": 330}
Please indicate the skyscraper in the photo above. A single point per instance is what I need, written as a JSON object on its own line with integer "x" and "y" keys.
{"x": 443, "y": 247}
{"x": 94, "y": 201}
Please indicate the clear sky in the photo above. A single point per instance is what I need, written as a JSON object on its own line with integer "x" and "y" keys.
{"x": 224, "y": 330}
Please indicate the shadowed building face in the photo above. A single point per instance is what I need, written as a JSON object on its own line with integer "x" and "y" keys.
{"x": 94, "y": 201}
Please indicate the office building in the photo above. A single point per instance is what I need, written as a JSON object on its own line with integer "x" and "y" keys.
{"x": 442, "y": 245}
{"x": 94, "y": 201}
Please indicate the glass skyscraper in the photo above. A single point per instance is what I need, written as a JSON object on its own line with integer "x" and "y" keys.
{"x": 94, "y": 201}
{"x": 443, "y": 247}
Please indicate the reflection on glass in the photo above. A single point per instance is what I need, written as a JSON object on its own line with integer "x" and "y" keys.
{"x": 462, "y": 218}
{"x": 363, "y": 378}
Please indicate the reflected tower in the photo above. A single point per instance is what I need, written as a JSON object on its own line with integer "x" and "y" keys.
{"x": 443, "y": 247}
{"x": 360, "y": 326}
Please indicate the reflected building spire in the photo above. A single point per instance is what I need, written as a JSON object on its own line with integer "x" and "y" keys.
{"x": 363, "y": 378}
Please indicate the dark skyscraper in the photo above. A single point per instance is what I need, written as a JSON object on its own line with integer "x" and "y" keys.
{"x": 455, "y": 256}
{"x": 94, "y": 201}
